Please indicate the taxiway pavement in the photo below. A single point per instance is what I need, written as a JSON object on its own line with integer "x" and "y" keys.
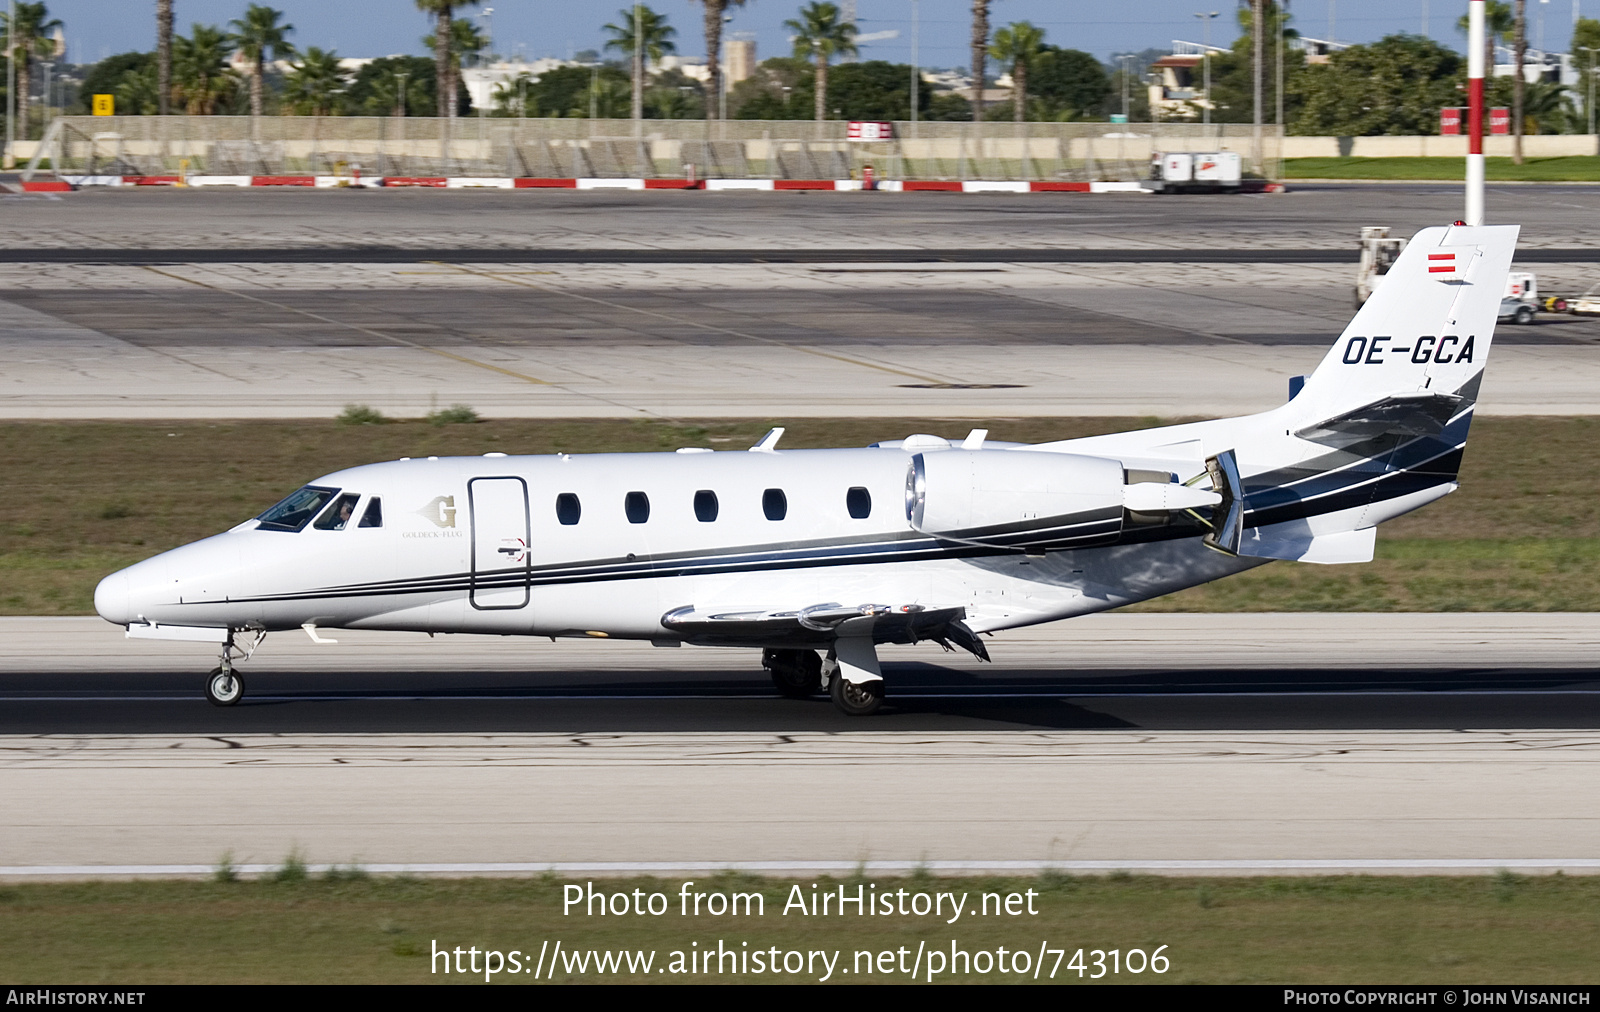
{"x": 1235, "y": 738}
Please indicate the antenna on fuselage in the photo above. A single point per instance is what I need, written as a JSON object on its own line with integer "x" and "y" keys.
{"x": 769, "y": 442}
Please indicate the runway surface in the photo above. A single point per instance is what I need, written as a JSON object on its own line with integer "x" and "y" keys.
{"x": 446, "y": 254}
{"x": 1249, "y": 739}
{"x": 231, "y": 340}
{"x": 1323, "y": 216}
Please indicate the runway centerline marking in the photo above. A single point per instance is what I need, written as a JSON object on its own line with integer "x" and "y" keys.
{"x": 804, "y": 349}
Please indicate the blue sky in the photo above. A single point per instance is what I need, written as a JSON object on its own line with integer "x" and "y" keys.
{"x": 96, "y": 28}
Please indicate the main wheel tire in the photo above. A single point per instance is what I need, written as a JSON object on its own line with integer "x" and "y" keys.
{"x": 1524, "y": 315}
{"x": 796, "y": 674}
{"x": 856, "y": 699}
{"x": 224, "y": 688}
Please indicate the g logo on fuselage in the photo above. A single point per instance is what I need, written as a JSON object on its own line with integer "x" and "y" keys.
{"x": 441, "y": 512}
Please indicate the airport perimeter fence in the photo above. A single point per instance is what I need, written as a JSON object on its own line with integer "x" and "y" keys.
{"x": 608, "y": 148}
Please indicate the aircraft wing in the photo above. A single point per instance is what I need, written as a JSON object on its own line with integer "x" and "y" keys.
{"x": 819, "y": 624}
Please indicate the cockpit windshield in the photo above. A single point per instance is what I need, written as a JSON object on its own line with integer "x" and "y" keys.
{"x": 294, "y": 512}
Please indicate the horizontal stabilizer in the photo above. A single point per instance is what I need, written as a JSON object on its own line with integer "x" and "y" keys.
{"x": 1332, "y": 549}
{"x": 1422, "y": 413}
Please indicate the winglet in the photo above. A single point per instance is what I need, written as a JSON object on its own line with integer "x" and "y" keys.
{"x": 974, "y": 440}
{"x": 769, "y": 442}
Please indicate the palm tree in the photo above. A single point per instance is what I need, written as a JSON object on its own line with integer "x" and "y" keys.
{"x": 255, "y": 36}
{"x": 980, "y": 49}
{"x": 466, "y": 39}
{"x": 443, "y": 34}
{"x": 655, "y": 35}
{"x": 200, "y": 64}
{"x": 1018, "y": 44}
{"x": 819, "y": 36}
{"x": 29, "y": 37}
{"x": 164, "y": 56}
{"x": 603, "y": 99}
{"x": 1519, "y": 81}
{"x": 314, "y": 85}
{"x": 714, "y": 15}
{"x": 136, "y": 92}
{"x": 1498, "y": 23}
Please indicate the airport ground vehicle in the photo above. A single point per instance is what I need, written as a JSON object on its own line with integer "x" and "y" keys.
{"x": 1195, "y": 172}
{"x": 820, "y": 557}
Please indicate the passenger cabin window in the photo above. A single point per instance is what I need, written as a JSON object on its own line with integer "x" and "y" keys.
{"x": 774, "y": 504}
{"x": 637, "y": 506}
{"x": 859, "y": 502}
{"x": 373, "y": 515}
{"x": 705, "y": 506}
{"x": 568, "y": 508}
{"x": 295, "y": 511}
{"x": 337, "y": 517}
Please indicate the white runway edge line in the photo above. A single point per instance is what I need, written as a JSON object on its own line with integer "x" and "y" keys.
{"x": 510, "y": 183}
{"x": 779, "y": 868}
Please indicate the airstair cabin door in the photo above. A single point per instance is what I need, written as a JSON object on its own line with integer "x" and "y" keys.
{"x": 500, "y": 530}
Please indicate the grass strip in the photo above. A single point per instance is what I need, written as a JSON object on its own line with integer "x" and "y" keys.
{"x": 1565, "y": 169}
{"x": 86, "y": 498}
{"x": 353, "y": 929}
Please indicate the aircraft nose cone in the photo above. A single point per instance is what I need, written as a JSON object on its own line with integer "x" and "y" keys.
{"x": 113, "y": 600}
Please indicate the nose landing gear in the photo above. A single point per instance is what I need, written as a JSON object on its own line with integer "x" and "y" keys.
{"x": 224, "y": 685}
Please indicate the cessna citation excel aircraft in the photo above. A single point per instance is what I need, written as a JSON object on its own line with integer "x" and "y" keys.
{"x": 796, "y": 552}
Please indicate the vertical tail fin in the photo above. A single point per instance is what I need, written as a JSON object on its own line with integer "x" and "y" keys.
{"x": 1423, "y": 337}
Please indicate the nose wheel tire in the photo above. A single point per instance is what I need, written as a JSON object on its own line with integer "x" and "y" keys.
{"x": 796, "y": 674}
{"x": 224, "y": 687}
{"x": 856, "y": 699}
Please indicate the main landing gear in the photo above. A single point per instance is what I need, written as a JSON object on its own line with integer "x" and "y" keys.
{"x": 224, "y": 685}
{"x": 850, "y": 675}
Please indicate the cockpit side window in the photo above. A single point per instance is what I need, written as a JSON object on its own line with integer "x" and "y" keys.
{"x": 373, "y": 516}
{"x": 296, "y": 510}
{"x": 337, "y": 517}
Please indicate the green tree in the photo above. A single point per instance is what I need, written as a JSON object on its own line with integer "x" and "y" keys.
{"x": 316, "y": 85}
{"x": 376, "y": 89}
{"x": 467, "y": 41}
{"x": 138, "y": 91}
{"x": 564, "y": 91}
{"x": 1393, "y": 86}
{"x": 1019, "y": 45}
{"x": 654, "y": 41}
{"x": 200, "y": 71}
{"x": 675, "y": 95}
{"x": 1232, "y": 86}
{"x": 713, "y": 27}
{"x": 1586, "y": 56}
{"x": 819, "y": 36}
{"x": 104, "y": 77}
{"x": 27, "y": 39}
{"x": 607, "y": 97}
{"x": 871, "y": 90}
{"x": 258, "y": 37}
{"x": 1069, "y": 84}
{"x": 446, "y": 81}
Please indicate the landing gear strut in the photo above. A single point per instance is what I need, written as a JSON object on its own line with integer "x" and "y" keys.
{"x": 796, "y": 674}
{"x": 224, "y": 685}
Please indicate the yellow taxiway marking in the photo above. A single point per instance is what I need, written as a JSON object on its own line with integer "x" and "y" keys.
{"x": 508, "y": 279}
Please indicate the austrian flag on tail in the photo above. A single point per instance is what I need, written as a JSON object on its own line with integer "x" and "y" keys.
{"x": 1448, "y": 264}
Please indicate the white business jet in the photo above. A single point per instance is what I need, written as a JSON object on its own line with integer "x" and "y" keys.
{"x": 796, "y": 552}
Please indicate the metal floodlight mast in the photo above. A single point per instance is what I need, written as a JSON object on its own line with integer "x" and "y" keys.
{"x": 1474, "y": 195}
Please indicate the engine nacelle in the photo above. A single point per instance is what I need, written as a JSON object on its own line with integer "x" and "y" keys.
{"x": 1016, "y": 499}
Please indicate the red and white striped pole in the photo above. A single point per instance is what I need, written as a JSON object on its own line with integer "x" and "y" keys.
{"x": 1475, "y": 69}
